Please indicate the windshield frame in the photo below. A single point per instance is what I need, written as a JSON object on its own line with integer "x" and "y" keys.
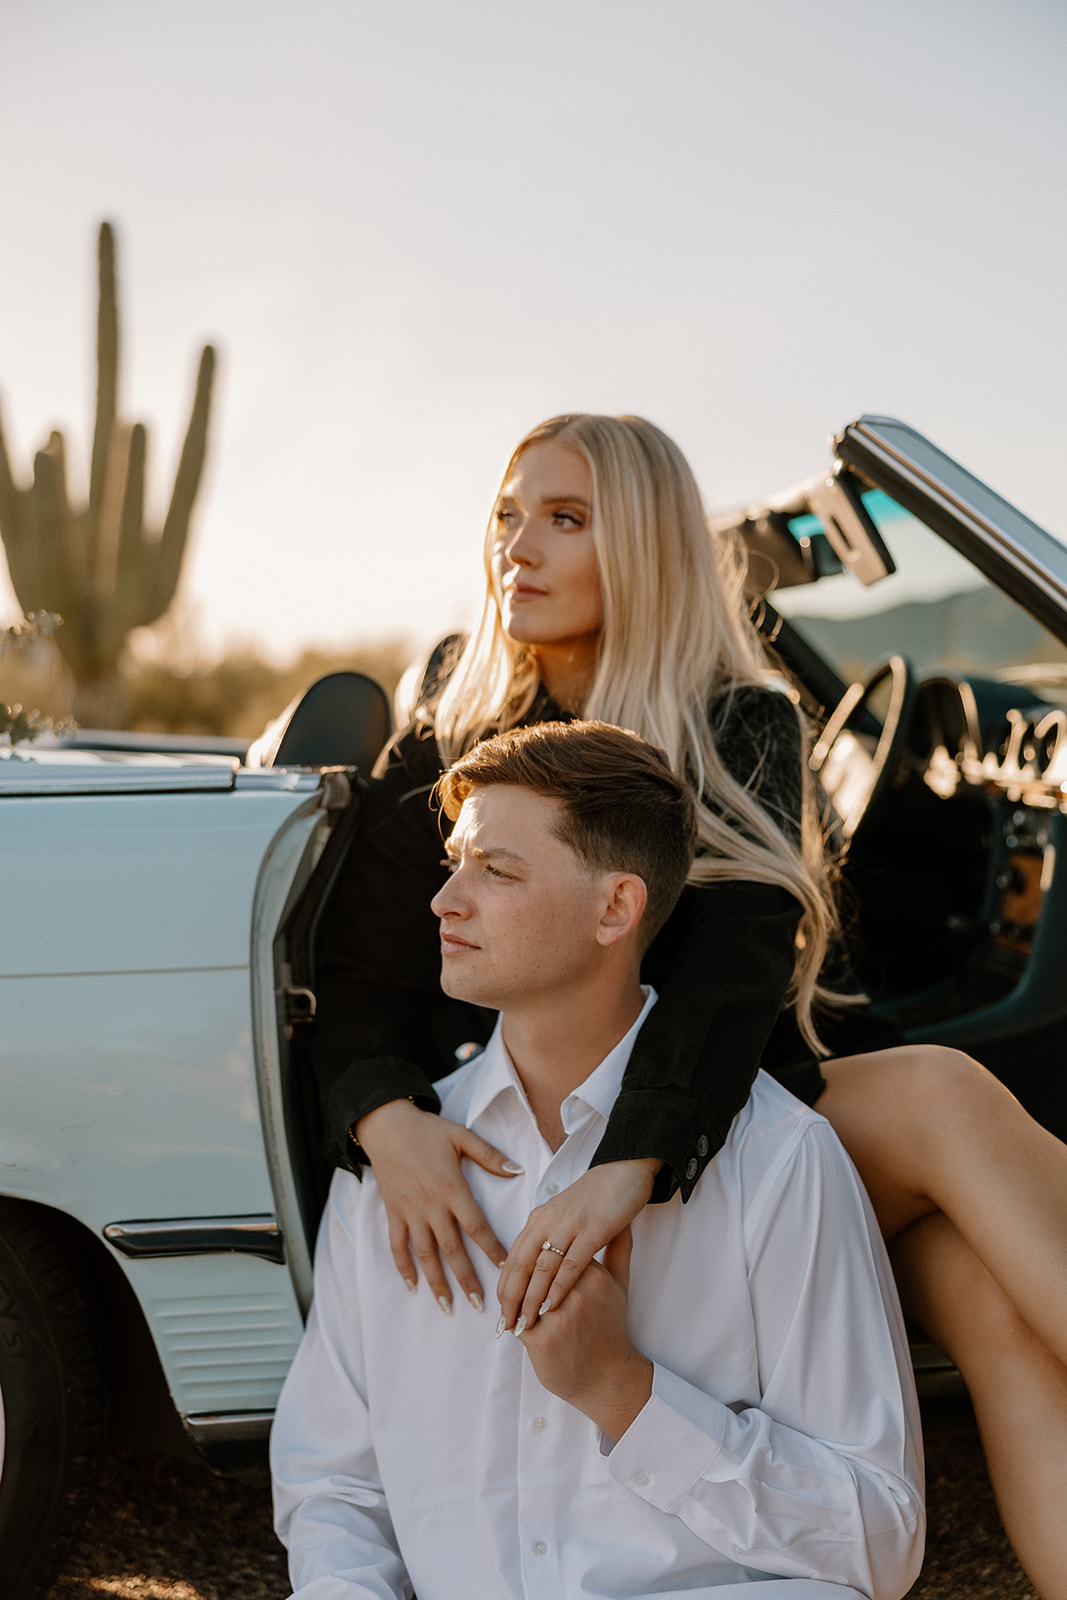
{"x": 1008, "y": 548}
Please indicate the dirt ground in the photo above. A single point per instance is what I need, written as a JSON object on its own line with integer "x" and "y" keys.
{"x": 167, "y": 1530}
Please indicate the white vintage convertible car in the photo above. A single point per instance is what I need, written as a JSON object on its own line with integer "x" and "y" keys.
{"x": 160, "y": 1177}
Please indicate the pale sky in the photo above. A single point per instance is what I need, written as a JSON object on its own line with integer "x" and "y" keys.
{"x": 416, "y": 228}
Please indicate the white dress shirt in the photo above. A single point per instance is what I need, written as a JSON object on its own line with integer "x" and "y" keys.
{"x": 779, "y": 1455}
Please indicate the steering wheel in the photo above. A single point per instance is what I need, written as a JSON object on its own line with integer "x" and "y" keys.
{"x": 856, "y": 779}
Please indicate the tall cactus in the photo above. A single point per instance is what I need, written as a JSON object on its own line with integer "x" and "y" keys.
{"x": 101, "y": 568}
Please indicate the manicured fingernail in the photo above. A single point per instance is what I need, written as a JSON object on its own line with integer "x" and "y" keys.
{"x": 410, "y": 1285}
{"x": 476, "y": 1301}
{"x": 513, "y": 1169}
{"x": 499, "y": 1264}
{"x": 546, "y": 1305}
{"x": 445, "y": 1304}
{"x": 520, "y": 1327}
{"x": 502, "y": 1326}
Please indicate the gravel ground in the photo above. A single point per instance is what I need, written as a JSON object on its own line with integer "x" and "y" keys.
{"x": 168, "y": 1530}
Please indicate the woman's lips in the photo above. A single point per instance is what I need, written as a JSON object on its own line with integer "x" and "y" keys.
{"x": 524, "y": 591}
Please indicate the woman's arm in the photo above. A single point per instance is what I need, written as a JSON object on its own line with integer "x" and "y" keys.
{"x": 384, "y": 1030}
{"x": 722, "y": 967}
{"x": 377, "y": 984}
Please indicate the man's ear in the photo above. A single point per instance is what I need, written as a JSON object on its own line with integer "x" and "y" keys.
{"x": 624, "y": 903}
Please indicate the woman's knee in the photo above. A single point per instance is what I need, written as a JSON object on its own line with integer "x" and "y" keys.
{"x": 901, "y": 1114}
{"x": 957, "y": 1300}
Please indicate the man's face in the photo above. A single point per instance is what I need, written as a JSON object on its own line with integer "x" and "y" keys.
{"x": 519, "y": 913}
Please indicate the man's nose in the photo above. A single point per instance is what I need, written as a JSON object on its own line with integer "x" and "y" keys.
{"x": 447, "y": 902}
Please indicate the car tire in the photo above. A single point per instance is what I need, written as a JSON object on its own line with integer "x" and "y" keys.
{"x": 52, "y": 1393}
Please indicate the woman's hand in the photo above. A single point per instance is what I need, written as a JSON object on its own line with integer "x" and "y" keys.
{"x": 416, "y": 1157}
{"x": 579, "y": 1222}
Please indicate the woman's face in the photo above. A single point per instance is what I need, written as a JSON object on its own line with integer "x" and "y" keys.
{"x": 545, "y": 566}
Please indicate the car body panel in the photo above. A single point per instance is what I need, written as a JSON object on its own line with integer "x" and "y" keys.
{"x": 226, "y": 1328}
{"x": 128, "y": 1085}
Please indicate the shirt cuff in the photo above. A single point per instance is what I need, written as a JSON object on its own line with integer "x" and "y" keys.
{"x": 361, "y": 1089}
{"x": 668, "y": 1124}
{"x": 666, "y": 1450}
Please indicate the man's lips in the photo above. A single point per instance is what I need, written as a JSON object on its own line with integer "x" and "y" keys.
{"x": 452, "y": 944}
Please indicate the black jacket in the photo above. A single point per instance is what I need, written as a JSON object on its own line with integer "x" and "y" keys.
{"x": 722, "y": 965}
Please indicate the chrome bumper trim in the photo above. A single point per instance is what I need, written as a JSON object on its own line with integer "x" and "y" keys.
{"x": 198, "y": 1236}
{"x": 228, "y": 1427}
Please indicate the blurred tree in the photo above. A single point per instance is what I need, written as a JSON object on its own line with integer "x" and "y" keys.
{"x": 101, "y": 567}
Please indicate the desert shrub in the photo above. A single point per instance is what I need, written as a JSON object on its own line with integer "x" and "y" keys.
{"x": 241, "y": 691}
{"x": 234, "y": 695}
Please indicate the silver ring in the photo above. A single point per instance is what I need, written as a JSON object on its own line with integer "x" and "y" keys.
{"x": 548, "y": 1245}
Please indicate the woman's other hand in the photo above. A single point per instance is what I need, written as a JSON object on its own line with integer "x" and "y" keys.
{"x": 416, "y": 1159}
{"x": 579, "y": 1222}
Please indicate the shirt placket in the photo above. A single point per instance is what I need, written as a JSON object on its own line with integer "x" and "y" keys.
{"x": 544, "y": 1424}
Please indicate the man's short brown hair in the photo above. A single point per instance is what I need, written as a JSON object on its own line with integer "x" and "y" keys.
{"x": 623, "y": 808}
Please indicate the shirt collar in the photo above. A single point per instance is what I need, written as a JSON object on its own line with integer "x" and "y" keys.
{"x": 496, "y": 1072}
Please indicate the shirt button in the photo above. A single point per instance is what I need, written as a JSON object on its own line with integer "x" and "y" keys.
{"x": 540, "y": 1424}
{"x": 552, "y": 1188}
{"x": 702, "y": 1146}
{"x": 641, "y": 1479}
{"x": 540, "y": 1548}
{"x": 693, "y": 1168}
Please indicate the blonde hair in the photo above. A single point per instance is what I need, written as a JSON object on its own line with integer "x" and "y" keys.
{"x": 676, "y": 635}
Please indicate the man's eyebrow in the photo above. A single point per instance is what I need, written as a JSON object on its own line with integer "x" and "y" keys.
{"x": 483, "y": 853}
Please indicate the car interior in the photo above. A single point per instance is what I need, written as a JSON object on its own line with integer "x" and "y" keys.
{"x": 940, "y": 748}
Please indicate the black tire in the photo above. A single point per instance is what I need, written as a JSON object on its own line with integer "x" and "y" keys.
{"x": 53, "y": 1395}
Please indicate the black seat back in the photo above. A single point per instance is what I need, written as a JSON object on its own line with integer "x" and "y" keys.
{"x": 342, "y": 720}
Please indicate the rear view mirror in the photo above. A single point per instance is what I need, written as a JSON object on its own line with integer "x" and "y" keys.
{"x": 836, "y": 501}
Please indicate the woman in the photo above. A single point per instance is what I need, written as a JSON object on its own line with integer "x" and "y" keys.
{"x": 606, "y": 597}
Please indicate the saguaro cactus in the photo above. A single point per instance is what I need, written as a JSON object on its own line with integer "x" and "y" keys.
{"x": 101, "y": 568}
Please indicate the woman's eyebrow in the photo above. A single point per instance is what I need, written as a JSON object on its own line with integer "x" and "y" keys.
{"x": 565, "y": 500}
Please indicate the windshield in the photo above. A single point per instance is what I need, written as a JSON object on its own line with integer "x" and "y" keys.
{"x": 936, "y": 610}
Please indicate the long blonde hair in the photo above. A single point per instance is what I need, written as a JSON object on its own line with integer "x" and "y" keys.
{"x": 676, "y": 635}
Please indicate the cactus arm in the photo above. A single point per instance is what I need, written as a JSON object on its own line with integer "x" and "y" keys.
{"x": 134, "y": 553}
{"x": 107, "y": 375}
{"x": 55, "y": 571}
{"x": 186, "y": 483}
{"x": 12, "y": 523}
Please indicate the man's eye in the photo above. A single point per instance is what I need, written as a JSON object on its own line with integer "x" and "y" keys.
{"x": 450, "y": 864}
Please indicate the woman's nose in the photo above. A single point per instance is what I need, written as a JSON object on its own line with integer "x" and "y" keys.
{"x": 521, "y": 546}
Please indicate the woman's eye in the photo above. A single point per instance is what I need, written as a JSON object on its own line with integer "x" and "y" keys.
{"x": 567, "y": 519}
{"x": 503, "y": 516}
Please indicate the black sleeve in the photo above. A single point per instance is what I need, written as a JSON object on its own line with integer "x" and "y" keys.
{"x": 383, "y": 1028}
{"x": 722, "y": 966}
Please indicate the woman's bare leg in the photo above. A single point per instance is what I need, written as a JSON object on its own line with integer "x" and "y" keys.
{"x": 931, "y": 1130}
{"x": 1019, "y": 1389}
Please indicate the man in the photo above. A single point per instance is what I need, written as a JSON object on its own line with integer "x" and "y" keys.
{"x": 727, "y": 1412}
